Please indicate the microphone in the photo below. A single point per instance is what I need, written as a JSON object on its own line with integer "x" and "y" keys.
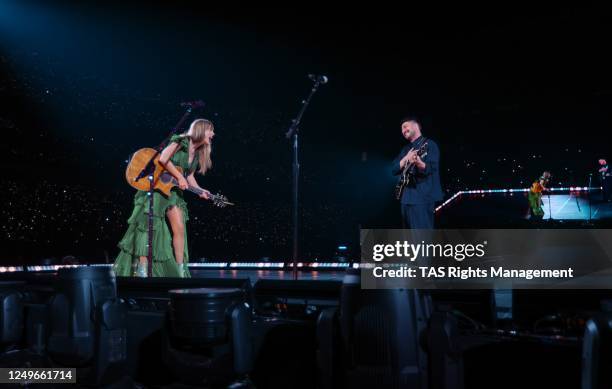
{"x": 320, "y": 79}
{"x": 193, "y": 104}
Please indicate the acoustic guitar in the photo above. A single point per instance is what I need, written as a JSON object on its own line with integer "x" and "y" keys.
{"x": 163, "y": 181}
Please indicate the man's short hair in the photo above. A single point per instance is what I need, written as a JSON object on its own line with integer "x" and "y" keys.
{"x": 410, "y": 118}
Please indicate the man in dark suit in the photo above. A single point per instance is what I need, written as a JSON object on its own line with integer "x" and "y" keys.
{"x": 418, "y": 199}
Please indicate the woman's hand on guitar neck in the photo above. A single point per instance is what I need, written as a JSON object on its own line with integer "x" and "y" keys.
{"x": 206, "y": 195}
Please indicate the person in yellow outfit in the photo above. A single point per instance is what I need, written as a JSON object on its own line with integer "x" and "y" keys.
{"x": 191, "y": 151}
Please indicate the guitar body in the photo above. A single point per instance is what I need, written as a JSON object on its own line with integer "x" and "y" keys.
{"x": 406, "y": 176}
{"x": 402, "y": 183}
{"x": 162, "y": 180}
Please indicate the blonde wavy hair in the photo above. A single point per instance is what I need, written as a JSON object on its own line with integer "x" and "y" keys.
{"x": 197, "y": 132}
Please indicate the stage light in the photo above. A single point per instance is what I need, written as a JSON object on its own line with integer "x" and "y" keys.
{"x": 12, "y": 314}
{"x": 208, "y": 265}
{"x": 213, "y": 326}
{"x": 596, "y": 344}
{"x": 11, "y": 269}
{"x": 88, "y": 330}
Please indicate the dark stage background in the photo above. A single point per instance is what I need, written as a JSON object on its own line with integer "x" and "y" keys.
{"x": 506, "y": 93}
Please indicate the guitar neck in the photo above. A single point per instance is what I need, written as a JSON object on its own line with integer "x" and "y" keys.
{"x": 198, "y": 191}
{"x": 216, "y": 198}
{"x": 190, "y": 188}
{"x": 195, "y": 190}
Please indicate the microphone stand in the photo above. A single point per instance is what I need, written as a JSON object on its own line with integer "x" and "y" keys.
{"x": 293, "y": 133}
{"x": 589, "y": 197}
{"x": 149, "y": 171}
{"x": 549, "y": 208}
{"x": 577, "y": 204}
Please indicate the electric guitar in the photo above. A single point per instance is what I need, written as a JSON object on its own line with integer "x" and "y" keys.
{"x": 163, "y": 181}
{"x": 407, "y": 175}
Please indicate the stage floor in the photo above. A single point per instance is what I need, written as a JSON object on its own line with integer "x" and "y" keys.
{"x": 573, "y": 207}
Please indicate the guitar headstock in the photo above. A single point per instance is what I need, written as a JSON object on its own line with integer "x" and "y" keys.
{"x": 220, "y": 200}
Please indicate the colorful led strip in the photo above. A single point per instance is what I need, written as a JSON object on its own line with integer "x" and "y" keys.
{"x": 484, "y": 191}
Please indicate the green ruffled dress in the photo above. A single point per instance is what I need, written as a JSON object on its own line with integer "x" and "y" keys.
{"x": 134, "y": 242}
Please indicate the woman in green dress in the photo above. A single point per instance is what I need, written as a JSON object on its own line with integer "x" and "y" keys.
{"x": 170, "y": 254}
